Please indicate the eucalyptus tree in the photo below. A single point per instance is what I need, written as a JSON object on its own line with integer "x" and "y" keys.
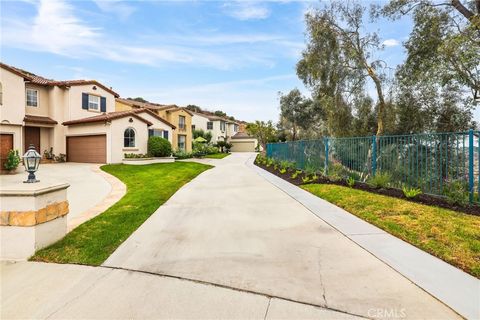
{"x": 340, "y": 59}
{"x": 297, "y": 111}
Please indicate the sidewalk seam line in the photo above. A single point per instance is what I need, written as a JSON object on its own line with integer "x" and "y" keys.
{"x": 218, "y": 285}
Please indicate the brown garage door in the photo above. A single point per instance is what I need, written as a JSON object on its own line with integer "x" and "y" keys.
{"x": 91, "y": 149}
{"x": 6, "y": 144}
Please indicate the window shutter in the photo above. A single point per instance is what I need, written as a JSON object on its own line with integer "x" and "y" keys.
{"x": 85, "y": 101}
{"x": 103, "y": 104}
{"x": 165, "y": 134}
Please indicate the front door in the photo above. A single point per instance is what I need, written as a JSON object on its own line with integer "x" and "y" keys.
{"x": 32, "y": 136}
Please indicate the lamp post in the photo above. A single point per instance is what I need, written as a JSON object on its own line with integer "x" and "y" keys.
{"x": 31, "y": 160}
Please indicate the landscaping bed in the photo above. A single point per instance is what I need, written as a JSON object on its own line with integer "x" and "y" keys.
{"x": 148, "y": 187}
{"x": 392, "y": 192}
{"x": 450, "y": 235}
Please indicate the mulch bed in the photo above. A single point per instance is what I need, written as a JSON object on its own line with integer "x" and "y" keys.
{"x": 396, "y": 193}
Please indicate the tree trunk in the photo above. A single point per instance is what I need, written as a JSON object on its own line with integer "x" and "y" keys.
{"x": 381, "y": 101}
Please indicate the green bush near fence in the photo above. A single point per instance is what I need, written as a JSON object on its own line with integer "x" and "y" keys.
{"x": 430, "y": 162}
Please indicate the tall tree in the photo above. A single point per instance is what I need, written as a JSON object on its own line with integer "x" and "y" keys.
{"x": 445, "y": 40}
{"x": 340, "y": 58}
{"x": 297, "y": 111}
{"x": 264, "y": 132}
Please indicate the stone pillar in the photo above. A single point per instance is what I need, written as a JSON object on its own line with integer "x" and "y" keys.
{"x": 32, "y": 216}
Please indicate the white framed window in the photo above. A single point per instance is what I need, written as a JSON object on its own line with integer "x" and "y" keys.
{"x": 222, "y": 125}
{"x": 181, "y": 122}
{"x": 182, "y": 142}
{"x": 209, "y": 125}
{"x": 93, "y": 102}
{"x": 129, "y": 138}
{"x": 32, "y": 98}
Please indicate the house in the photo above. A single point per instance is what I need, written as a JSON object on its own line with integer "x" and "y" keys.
{"x": 74, "y": 117}
{"x": 181, "y": 118}
{"x": 221, "y": 128}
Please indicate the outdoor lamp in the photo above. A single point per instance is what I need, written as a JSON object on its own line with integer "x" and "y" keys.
{"x": 31, "y": 160}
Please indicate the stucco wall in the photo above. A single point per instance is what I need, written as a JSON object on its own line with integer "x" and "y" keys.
{"x": 116, "y": 135}
{"x": 172, "y": 116}
{"x": 122, "y": 106}
{"x": 75, "y": 101}
{"x": 13, "y": 107}
{"x": 43, "y": 101}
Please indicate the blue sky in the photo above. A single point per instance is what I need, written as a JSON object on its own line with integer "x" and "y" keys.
{"x": 234, "y": 56}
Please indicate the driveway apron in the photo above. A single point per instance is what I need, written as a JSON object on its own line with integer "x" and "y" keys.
{"x": 232, "y": 228}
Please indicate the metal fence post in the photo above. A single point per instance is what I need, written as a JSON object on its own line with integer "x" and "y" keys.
{"x": 326, "y": 155}
{"x": 374, "y": 155}
{"x": 470, "y": 164}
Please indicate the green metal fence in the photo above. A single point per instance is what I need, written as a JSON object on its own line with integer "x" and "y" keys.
{"x": 429, "y": 161}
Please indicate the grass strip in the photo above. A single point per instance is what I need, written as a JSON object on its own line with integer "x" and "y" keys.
{"x": 148, "y": 187}
{"x": 449, "y": 235}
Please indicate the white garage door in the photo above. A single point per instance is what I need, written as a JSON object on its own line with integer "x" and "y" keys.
{"x": 243, "y": 146}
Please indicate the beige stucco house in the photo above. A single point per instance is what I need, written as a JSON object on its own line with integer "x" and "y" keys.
{"x": 75, "y": 117}
{"x": 181, "y": 118}
{"x": 221, "y": 128}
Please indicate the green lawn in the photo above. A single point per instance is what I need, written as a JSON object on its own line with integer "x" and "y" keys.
{"x": 451, "y": 236}
{"x": 217, "y": 155}
{"x": 148, "y": 187}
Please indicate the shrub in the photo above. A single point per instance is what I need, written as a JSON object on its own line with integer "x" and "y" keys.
{"x": 48, "y": 154}
{"x": 269, "y": 162}
{"x": 228, "y": 146}
{"x": 411, "y": 193}
{"x": 13, "y": 160}
{"x": 379, "y": 181}
{"x": 350, "y": 181}
{"x": 62, "y": 157}
{"x": 457, "y": 192}
{"x": 306, "y": 179}
{"x": 135, "y": 156}
{"x": 182, "y": 154}
{"x": 337, "y": 172}
{"x": 283, "y": 171}
{"x": 159, "y": 147}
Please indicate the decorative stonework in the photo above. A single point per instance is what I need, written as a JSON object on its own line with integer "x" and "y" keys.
{"x": 32, "y": 218}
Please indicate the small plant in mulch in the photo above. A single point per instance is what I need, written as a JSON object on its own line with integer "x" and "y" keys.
{"x": 379, "y": 181}
{"x": 456, "y": 192}
{"x": 411, "y": 193}
{"x": 350, "y": 182}
{"x": 295, "y": 174}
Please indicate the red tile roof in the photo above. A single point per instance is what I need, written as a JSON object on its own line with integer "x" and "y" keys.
{"x": 151, "y": 105}
{"x": 153, "y": 114}
{"x": 35, "y": 79}
{"x": 39, "y": 119}
{"x": 107, "y": 117}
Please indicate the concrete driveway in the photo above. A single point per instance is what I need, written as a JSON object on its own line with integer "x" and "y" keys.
{"x": 89, "y": 188}
{"x": 232, "y": 228}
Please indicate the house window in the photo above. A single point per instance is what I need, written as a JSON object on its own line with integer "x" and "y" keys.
{"x": 181, "y": 122}
{"x": 32, "y": 98}
{"x": 129, "y": 138}
{"x": 93, "y": 102}
{"x": 235, "y": 127}
{"x": 181, "y": 142}
{"x": 165, "y": 134}
{"x": 155, "y": 133}
{"x": 209, "y": 125}
{"x": 222, "y": 125}
{"x": 193, "y": 127}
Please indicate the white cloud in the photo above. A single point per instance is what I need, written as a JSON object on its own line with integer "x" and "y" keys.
{"x": 117, "y": 7}
{"x": 391, "y": 43}
{"x": 247, "y": 10}
{"x": 56, "y": 28}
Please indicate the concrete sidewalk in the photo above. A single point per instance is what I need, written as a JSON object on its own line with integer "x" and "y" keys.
{"x": 231, "y": 227}
{"x": 51, "y": 291}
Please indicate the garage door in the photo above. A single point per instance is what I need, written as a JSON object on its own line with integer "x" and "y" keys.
{"x": 91, "y": 149}
{"x": 243, "y": 146}
{"x": 6, "y": 144}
